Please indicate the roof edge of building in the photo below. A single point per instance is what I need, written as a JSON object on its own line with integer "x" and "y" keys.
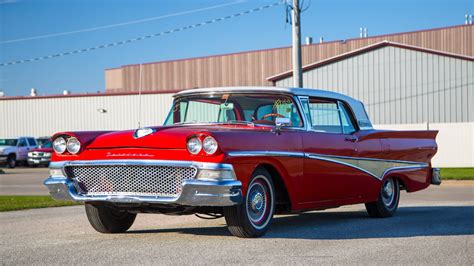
{"x": 365, "y": 49}
{"x": 286, "y": 47}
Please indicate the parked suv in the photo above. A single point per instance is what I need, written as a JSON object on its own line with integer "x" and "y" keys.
{"x": 15, "y": 150}
{"x": 42, "y": 154}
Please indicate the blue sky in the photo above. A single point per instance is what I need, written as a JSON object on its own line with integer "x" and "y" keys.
{"x": 332, "y": 19}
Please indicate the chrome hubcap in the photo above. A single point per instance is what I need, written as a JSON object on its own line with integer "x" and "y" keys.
{"x": 388, "y": 194}
{"x": 257, "y": 202}
{"x": 388, "y": 189}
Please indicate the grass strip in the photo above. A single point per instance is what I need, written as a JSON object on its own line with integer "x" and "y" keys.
{"x": 13, "y": 203}
{"x": 457, "y": 173}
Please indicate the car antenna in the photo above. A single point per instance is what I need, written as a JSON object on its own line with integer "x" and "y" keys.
{"x": 139, "y": 95}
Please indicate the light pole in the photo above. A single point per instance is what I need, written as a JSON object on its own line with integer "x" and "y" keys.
{"x": 297, "y": 71}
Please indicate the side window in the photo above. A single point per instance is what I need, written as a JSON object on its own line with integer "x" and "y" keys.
{"x": 347, "y": 122}
{"x": 325, "y": 116}
{"x": 32, "y": 142}
{"x": 280, "y": 107}
{"x": 22, "y": 142}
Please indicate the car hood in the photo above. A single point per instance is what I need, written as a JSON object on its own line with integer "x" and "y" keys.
{"x": 42, "y": 150}
{"x": 164, "y": 137}
{"x": 4, "y": 148}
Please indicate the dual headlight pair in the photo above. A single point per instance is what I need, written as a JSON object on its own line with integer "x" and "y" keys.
{"x": 71, "y": 144}
{"x": 195, "y": 145}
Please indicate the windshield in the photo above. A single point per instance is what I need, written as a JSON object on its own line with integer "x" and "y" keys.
{"x": 44, "y": 143}
{"x": 8, "y": 142}
{"x": 234, "y": 108}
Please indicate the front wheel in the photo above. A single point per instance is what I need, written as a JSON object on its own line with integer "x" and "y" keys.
{"x": 253, "y": 217}
{"x": 107, "y": 220}
{"x": 387, "y": 204}
{"x": 11, "y": 161}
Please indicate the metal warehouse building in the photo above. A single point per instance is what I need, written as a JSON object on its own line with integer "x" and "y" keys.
{"x": 413, "y": 80}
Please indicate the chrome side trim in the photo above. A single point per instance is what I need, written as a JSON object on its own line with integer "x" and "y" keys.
{"x": 375, "y": 167}
{"x": 366, "y": 159}
{"x": 266, "y": 153}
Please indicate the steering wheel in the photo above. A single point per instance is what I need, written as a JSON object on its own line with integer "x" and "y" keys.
{"x": 272, "y": 115}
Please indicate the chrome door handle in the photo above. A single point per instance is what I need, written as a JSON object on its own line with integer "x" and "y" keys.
{"x": 351, "y": 139}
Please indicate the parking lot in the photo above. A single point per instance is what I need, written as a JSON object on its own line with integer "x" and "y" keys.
{"x": 432, "y": 226}
{"x": 23, "y": 181}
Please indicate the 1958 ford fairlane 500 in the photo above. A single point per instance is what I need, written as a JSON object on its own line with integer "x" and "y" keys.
{"x": 245, "y": 153}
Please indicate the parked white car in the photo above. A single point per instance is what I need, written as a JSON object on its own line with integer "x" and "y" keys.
{"x": 15, "y": 150}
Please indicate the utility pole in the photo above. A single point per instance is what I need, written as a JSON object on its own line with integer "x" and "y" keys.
{"x": 297, "y": 72}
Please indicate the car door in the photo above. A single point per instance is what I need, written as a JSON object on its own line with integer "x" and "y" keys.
{"x": 330, "y": 149}
{"x": 32, "y": 143}
{"x": 22, "y": 149}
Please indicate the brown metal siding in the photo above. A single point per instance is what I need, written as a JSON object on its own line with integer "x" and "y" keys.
{"x": 254, "y": 67}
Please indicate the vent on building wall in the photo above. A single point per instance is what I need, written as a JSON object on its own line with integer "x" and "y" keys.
{"x": 33, "y": 92}
{"x": 363, "y": 33}
{"x": 309, "y": 40}
{"x": 66, "y": 92}
{"x": 468, "y": 19}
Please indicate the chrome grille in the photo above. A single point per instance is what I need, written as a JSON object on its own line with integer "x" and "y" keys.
{"x": 151, "y": 180}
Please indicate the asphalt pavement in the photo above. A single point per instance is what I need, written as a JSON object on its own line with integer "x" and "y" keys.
{"x": 434, "y": 226}
{"x": 24, "y": 181}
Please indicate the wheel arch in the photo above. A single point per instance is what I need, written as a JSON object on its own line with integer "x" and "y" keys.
{"x": 283, "y": 202}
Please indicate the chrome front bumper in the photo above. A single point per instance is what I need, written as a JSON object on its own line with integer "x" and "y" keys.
{"x": 195, "y": 192}
{"x": 38, "y": 160}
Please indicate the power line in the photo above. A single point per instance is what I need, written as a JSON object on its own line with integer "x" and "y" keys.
{"x": 78, "y": 51}
{"x": 121, "y": 24}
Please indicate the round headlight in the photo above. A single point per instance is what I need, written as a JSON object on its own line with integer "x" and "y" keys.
{"x": 73, "y": 145}
{"x": 59, "y": 145}
{"x": 194, "y": 145}
{"x": 209, "y": 145}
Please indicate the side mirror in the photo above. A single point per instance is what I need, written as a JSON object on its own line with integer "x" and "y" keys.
{"x": 281, "y": 122}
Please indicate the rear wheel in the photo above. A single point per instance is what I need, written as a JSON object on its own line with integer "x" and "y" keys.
{"x": 253, "y": 217}
{"x": 11, "y": 161}
{"x": 387, "y": 204}
{"x": 107, "y": 220}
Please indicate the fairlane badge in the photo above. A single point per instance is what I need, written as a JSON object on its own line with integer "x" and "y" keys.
{"x": 110, "y": 154}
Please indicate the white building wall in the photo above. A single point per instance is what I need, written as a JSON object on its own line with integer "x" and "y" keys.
{"x": 46, "y": 116}
{"x": 400, "y": 86}
{"x": 405, "y": 89}
{"x": 455, "y": 142}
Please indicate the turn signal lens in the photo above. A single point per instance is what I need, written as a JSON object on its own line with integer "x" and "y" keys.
{"x": 59, "y": 145}
{"x": 209, "y": 145}
{"x": 194, "y": 145}
{"x": 73, "y": 145}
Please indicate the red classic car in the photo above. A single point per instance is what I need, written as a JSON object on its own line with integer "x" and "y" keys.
{"x": 245, "y": 154}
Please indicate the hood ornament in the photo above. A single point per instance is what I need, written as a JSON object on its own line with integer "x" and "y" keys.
{"x": 142, "y": 132}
